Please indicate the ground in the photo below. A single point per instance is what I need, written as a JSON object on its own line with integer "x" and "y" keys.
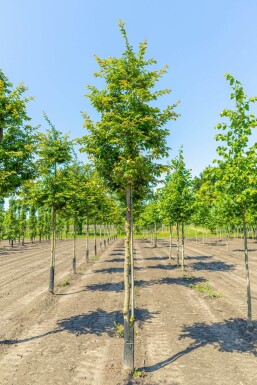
{"x": 183, "y": 336}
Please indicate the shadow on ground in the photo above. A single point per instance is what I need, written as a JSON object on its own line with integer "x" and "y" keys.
{"x": 97, "y": 322}
{"x": 213, "y": 266}
{"x": 228, "y": 336}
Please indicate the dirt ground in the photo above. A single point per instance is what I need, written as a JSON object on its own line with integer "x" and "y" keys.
{"x": 183, "y": 337}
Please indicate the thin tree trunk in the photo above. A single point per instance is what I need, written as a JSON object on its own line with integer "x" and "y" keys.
{"x": 74, "y": 246}
{"x": 52, "y": 263}
{"x": 87, "y": 249}
{"x": 170, "y": 254}
{"x": 100, "y": 245}
{"x": 177, "y": 244}
{"x": 182, "y": 246}
{"x": 248, "y": 287}
{"x": 155, "y": 236}
{"x": 128, "y": 323}
{"x": 95, "y": 248}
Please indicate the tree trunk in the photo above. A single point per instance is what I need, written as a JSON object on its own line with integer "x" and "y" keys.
{"x": 248, "y": 287}
{"x": 128, "y": 321}
{"x": 52, "y": 263}
{"x": 177, "y": 244}
{"x": 87, "y": 249}
{"x": 170, "y": 254}
{"x": 95, "y": 248}
{"x": 100, "y": 245}
{"x": 182, "y": 247}
{"x": 74, "y": 246}
{"x": 155, "y": 236}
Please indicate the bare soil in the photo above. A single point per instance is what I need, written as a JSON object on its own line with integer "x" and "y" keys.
{"x": 183, "y": 336}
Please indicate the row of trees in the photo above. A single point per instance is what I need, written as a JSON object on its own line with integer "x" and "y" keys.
{"x": 125, "y": 147}
{"x": 225, "y": 194}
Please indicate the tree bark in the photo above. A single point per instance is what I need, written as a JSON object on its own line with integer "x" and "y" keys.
{"x": 248, "y": 287}
{"x": 95, "y": 248}
{"x": 170, "y": 254}
{"x": 52, "y": 263}
{"x": 87, "y": 249}
{"x": 177, "y": 244}
{"x": 128, "y": 321}
{"x": 74, "y": 246}
{"x": 182, "y": 246}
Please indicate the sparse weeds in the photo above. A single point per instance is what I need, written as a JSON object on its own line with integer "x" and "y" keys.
{"x": 119, "y": 330}
{"x": 95, "y": 258}
{"x": 187, "y": 278}
{"x": 138, "y": 373}
{"x": 205, "y": 288}
{"x": 66, "y": 282}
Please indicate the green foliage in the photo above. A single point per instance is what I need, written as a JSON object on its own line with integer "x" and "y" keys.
{"x": 17, "y": 139}
{"x": 177, "y": 196}
{"x": 119, "y": 330}
{"x": 205, "y": 288}
{"x": 66, "y": 282}
{"x": 131, "y": 133}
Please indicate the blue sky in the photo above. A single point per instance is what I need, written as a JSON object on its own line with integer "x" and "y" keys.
{"x": 50, "y": 46}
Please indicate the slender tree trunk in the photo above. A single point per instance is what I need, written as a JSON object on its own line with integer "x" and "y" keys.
{"x": 74, "y": 245}
{"x": 170, "y": 254}
{"x": 248, "y": 287}
{"x": 52, "y": 263}
{"x": 95, "y": 247}
{"x": 155, "y": 236}
{"x": 87, "y": 249}
{"x": 182, "y": 246}
{"x": 100, "y": 244}
{"x": 128, "y": 322}
{"x": 178, "y": 244}
{"x": 104, "y": 236}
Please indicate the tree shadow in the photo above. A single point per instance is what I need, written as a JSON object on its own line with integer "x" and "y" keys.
{"x": 199, "y": 257}
{"x": 213, "y": 266}
{"x": 156, "y": 258}
{"x": 182, "y": 281}
{"x": 227, "y": 336}
{"x": 110, "y": 270}
{"x": 116, "y": 259}
{"x": 163, "y": 267}
{"x": 97, "y": 322}
{"x": 113, "y": 287}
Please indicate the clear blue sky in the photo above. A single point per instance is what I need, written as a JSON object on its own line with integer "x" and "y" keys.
{"x": 50, "y": 46}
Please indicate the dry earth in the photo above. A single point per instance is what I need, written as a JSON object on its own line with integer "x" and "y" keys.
{"x": 183, "y": 337}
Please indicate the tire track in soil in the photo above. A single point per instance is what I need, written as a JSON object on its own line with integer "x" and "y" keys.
{"x": 82, "y": 354}
{"x": 188, "y": 361}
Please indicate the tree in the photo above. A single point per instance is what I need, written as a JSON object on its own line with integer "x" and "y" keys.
{"x": 177, "y": 197}
{"x": 50, "y": 190}
{"x": 236, "y": 173}
{"x": 17, "y": 139}
{"x": 126, "y": 141}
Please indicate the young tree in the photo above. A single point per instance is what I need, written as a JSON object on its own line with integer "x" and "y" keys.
{"x": 177, "y": 197}
{"x": 125, "y": 142}
{"x": 237, "y": 165}
{"x": 17, "y": 139}
{"x": 54, "y": 150}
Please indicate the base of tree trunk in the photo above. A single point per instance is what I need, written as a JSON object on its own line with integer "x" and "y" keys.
{"x": 129, "y": 345}
{"x": 87, "y": 256}
{"x": 74, "y": 265}
{"x": 51, "y": 280}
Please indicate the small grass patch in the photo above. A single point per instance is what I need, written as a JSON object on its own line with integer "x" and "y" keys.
{"x": 119, "y": 330}
{"x": 187, "y": 278}
{"x": 95, "y": 258}
{"x": 66, "y": 282}
{"x": 138, "y": 373}
{"x": 206, "y": 289}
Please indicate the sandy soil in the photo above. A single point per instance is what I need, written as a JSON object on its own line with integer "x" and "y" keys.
{"x": 182, "y": 336}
